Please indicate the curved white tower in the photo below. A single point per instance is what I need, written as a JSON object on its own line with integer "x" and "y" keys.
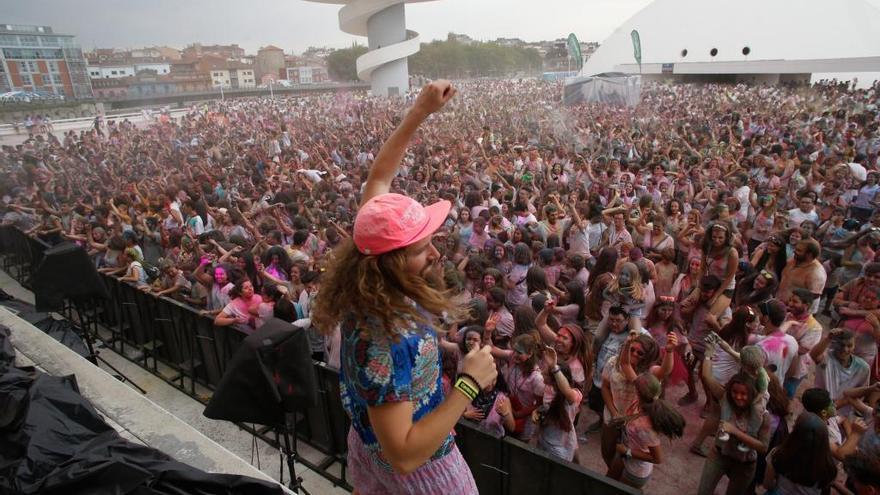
{"x": 383, "y": 22}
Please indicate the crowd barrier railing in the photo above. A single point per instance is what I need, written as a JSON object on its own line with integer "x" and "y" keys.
{"x": 178, "y": 344}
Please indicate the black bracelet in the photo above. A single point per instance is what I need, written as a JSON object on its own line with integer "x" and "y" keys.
{"x": 476, "y": 383}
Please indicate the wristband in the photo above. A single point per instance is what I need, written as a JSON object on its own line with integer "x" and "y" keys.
{"x": 555, "y": 370}
{"x": 464, "y": 386}
{"x": 474, "y": 380}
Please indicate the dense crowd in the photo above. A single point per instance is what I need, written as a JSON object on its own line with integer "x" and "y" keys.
{"x": 716, "y": 238}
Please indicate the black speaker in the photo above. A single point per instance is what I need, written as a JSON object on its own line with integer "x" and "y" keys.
{"x": 270, "y": 374}
{"x": 66, "y": 272}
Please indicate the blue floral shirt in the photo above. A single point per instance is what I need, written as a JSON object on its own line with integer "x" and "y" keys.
{"x": 376, "y": 371}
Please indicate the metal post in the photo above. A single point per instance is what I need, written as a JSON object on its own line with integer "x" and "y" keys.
{"x": 221, "y": 90}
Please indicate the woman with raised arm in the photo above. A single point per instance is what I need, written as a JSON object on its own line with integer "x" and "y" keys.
{"x": 385, "y": 290}
{"x": 743, "y": 434}
{"x": 557, "y": 435}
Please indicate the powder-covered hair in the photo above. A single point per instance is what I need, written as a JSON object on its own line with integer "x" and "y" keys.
{"x": 665, "y": 419}
{"x": 378, "y": 287}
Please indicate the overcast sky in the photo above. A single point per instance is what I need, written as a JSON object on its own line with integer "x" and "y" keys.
{"x": 295, "y": 25}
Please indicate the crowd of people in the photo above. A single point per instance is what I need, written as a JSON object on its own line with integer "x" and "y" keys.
{"x": 713, "y": 247}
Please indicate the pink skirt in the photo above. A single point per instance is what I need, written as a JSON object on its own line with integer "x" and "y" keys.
{"x": 449, "y": 474}
{"x": 679, "y": 372}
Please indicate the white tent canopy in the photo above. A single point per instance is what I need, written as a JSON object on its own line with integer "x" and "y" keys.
{"x": 781, "y": 37}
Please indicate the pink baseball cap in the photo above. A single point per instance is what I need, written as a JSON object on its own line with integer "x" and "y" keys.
{"x": 391, "y": 221}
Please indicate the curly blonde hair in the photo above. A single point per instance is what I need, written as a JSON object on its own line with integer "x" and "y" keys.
{"x": 378, "y": 287}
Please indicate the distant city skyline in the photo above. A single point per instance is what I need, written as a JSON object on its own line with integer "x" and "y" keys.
{"x": 295, "y": 25}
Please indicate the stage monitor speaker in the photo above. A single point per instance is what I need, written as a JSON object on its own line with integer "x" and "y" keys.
{"x": 66, "y": 272}
{"x": 271, "y": 374}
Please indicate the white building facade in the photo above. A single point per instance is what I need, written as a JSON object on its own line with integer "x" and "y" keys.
{"x": 766, "y": 41}
{"x": 112, "y": 71}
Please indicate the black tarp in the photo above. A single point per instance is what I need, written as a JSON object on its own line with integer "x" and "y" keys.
{"x": 61, "y": 330}
{"x": 66, "y": 272}
{"x": 270, "y": 374}
{"x": 52, "y": 441}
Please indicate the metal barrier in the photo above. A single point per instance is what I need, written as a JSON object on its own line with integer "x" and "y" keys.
{"x": 78, "y": 123}
{"x": 24, "y": 254}
{"x": 505, "y": 466}
{"x": 178, "y": 344}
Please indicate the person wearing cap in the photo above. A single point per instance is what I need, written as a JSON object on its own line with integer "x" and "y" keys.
{"x": 385, "y": 290}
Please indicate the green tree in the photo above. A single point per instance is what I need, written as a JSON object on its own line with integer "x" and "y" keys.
{"x": 452, "y": 59}
{"x": 341, "y": 63}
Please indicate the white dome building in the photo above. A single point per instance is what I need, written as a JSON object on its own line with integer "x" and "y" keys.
{"x": 765, "y": 41}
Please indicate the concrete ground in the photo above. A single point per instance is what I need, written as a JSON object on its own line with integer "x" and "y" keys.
{"x": 679, "y": 474}
{"x": 159, "y": 427}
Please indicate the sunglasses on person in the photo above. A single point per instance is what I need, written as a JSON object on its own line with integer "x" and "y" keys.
{"x": 666, "y": 300}
{"x": 638, "y": 352}
{"x": 769, "y": 276}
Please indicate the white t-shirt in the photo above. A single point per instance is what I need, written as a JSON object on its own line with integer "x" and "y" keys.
{"x": 520, "y": 221}
{"x": 742, "y": 195}
{"x": 781, "y": 350}
{"x": 195, "y": 223}
{"x": 517, "y": 295}
{"x": 835, "y": 378}
{"x": 858, "y": 171}
{"x": 595, "y": 231}
{"x": 835, "y": 436}
{"x": 724, "y": 366}
{"x": 640, "y": 437}
{"x": 796, "y": 217}
{"x": 579, "y": 240}
{"x": 552, "y": 439}
{"x": 136, "y": 269}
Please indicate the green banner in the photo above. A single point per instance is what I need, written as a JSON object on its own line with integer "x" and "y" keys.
{"x": 637, "y": 46}
{"x": 574, "y": 50}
